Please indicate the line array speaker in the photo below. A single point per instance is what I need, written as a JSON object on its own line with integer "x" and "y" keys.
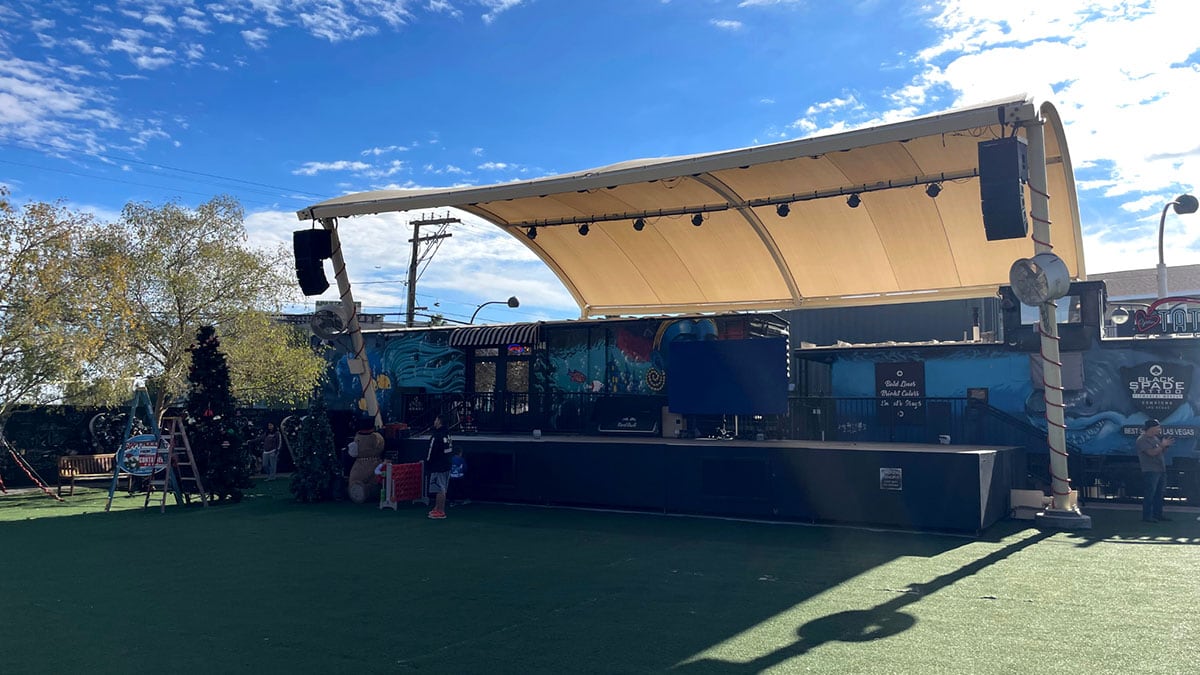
{"x": 1003, "y": 173}
{"x": 311, "y": 248}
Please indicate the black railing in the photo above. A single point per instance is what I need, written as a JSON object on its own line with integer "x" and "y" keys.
{"x": 956, "y": 421}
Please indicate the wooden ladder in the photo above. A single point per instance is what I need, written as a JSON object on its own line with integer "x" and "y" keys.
{"x": 181, "y": 476}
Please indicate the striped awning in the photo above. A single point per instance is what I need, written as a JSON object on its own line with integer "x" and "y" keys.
{"x": 491, "y": 336}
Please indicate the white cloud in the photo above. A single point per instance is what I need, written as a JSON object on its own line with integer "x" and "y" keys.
{"x": 496, "y": 7}
{"x": 392, "y": 168}
{"x": 255, "y": 38}
{"x": 38, "y": 108}
{"x": 383, "y": 150}
{"x": 160, "y": 21}
{"x": 726, "y": 24}
{"x": 1114, "y": 67}
{"x": 768, "y": 3}
{"x": 314, "y": 168}
{"x": 443, "y": 7}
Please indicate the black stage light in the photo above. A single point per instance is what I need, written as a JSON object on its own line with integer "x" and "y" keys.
{"x": 854, "y": 201}
{"x": 583, "y": 230}
{"x": 532, "y": 233}
{"x": 783, "y": 210}
{"x": 639, "y": 224}
{"x": 698, "y": 219}
{"x": 933, "y": 190}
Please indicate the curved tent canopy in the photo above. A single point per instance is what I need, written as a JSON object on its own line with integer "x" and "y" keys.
{"x": 898, "y": 245}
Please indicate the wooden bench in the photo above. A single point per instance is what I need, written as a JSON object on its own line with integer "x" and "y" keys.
{"x": 73, "y": 468}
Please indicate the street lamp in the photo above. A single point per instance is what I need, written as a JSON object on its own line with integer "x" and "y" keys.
{"x": 511, "y": 302}
{"x": 1183, "y": 204}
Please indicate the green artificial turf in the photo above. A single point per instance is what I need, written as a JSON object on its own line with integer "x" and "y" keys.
{"x": 269, "y": 585}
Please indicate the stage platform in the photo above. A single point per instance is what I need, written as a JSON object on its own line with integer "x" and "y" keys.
{"x": 934, "y": 487}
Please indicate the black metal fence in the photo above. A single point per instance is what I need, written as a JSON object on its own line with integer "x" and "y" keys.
{"x": 955, "y": 421}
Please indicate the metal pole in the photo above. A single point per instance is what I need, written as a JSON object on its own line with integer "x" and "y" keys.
{"x": 1162, "y": 266}
{"x": 476, "y": 313}
{"x": 411, "y": 307}
{"x": 1056, "y": 428}
{"x": 359, "y": 365}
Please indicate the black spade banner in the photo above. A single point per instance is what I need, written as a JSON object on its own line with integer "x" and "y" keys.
{"x": 1158, "y": 388}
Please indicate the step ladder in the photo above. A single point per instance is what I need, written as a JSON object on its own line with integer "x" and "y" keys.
{"x": 182, "y": 476}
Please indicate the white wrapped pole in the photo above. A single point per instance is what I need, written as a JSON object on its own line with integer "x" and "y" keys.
{"x": 1056, "y": 429}
{"x": 359, "y": 364}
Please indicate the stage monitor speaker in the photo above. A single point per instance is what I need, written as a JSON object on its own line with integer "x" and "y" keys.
{"x": 310, "y": 272}
{"x": 1003, "y": 172}
{"x": 315, "y": 243}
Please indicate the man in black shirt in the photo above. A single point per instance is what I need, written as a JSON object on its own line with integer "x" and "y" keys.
{"x": 437, "y": 464}
{"x": 1151, "y": 448}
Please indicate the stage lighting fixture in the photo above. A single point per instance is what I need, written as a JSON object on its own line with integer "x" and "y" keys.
{"x": 532, "y": 233}
{"x": 698, "y": 219}
{"x": 853, "y": 201}
{"x": 639, "y": 224}
{"x": 783, "y": 210}
{"x": 933, "y": 190}
{"x": 583, "y": 230}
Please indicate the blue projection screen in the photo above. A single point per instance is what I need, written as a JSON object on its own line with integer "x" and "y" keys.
{"x": 728, "y": 377}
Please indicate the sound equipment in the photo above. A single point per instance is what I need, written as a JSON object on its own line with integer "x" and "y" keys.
{"x": 1003, "y": 173}
{"x": 311, "y": 247}
{"x": 315, "y": 243}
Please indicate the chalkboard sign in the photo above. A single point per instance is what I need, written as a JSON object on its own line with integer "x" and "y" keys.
{"x": 900, "y": 388}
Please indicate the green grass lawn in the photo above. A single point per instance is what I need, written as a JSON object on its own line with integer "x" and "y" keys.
{"x": 269, "y": 585}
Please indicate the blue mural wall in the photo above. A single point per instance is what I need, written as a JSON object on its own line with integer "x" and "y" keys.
{"x": 1123, "y": 384}
{"x": 626, "y": 358}
{"x": 399, "y": 360}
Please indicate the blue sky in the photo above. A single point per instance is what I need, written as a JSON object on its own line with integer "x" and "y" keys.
{"x": 285, "y": 103}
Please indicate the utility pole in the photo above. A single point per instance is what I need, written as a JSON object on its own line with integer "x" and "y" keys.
{"x": 411, "y": 304}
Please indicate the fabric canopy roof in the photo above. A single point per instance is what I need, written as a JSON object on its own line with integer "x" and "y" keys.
{"x": 899, "y": 245}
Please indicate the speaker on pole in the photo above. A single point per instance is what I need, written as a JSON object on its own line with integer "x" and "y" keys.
{"x": 1003, "y": 173}
{"x": 311, "y": 248}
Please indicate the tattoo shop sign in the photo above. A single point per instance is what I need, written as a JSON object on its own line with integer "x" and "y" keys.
{"x": 1157, "y": 388}
{"x": 900, "y": 393}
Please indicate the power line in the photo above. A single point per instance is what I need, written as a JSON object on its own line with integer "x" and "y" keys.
{"x": 167, "y": 167}
{"x": 169, "y": 189}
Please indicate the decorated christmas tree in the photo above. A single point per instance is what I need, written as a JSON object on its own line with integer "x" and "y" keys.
{"x": 220, "y": 449}
{"x": 318, "y": 473}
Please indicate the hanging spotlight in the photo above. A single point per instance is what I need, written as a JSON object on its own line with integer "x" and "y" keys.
{"x": 583, "y": 230}
{"x": 698, "y": 219}
{"x": 854, "y": 201}
{"x": 532, "y": 233}
{"x": 783, "y": 210}
{"x": 639, "y": 224}
{"x": 933, "y": 190}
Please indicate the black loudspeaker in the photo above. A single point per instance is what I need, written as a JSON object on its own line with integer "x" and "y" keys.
{"x": 310, "y": 272}
{"x": 1003, "y": 172}
{"x": 316, "y": 243}
{"x": 311, "y": 247}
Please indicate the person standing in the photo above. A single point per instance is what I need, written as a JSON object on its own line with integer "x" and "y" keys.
{"x": 437, "y": 463}
{"x": 1151, "y": 451}
{"x": 272, "y": 439}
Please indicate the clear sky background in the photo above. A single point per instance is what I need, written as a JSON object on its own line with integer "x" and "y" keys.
{"x": 283, "y": 103}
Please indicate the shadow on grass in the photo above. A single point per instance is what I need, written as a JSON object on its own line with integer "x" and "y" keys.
{"x": 273, "y": 585}
{"x": 1125, "y": 526}
{"x": 879, "y": 622}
